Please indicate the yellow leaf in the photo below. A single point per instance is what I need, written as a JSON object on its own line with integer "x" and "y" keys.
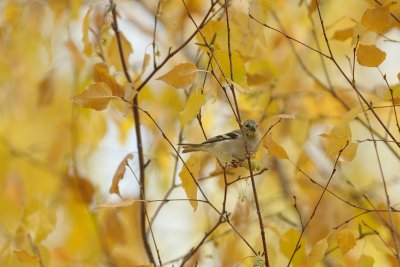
{"x": 274, "y": 149}
{"x": 313, "y": 6}
{"x": 180, "y": 76}
{"x": 288, "y": 245}
{"x": 113, "y": 55}
{"x": 95, "y": 96}
{"x": 377, "y": 19}
{"x": 343, "y": 35}
{"x": 24, "y": 257}
{"x": 192, "y": 107}
{"x": 240, "y": 88}
{"x": 124, "y": 203}
{"x": 337, "y": 139}
{"x": 46, "y": 89}
{"x": 365, "y": 261}
{"x": 370, "y": 55}
{"x": 345, "y": 240}
{"x": 40, "y": 218}
{"x": 350, "y": 151}
{"x": 101, "y": 74}
{"x": 188, "y": 184}
{"x": 82, "y": 188}
{"x": 238, "y": 69}
{"x": 119, "y": 174}
{"x": 146, "y": 61}
{"x": 87, "y": 50}
{"x": 146, "y": 265}
{"x": 317, "y": 253}
{"x": 352, "y": 114}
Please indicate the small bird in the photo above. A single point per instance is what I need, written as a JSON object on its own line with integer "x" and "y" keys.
{"x": 230, "y": 148}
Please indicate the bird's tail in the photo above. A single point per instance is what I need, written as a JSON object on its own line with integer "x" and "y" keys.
{"x": 191, "y": 147}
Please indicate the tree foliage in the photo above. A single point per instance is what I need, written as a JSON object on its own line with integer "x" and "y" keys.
{"x": 97, "y": 95}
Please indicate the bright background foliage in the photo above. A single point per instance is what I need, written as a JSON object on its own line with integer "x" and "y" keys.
{"x": 83, "y": 81}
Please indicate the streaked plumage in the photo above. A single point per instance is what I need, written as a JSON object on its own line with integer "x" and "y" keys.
{"x": 230, "y": 147}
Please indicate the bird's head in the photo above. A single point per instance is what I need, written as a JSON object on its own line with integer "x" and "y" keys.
{"x": 250, "y": 128}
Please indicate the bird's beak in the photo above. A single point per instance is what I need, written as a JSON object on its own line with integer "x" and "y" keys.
{"x": 253, "y": 129}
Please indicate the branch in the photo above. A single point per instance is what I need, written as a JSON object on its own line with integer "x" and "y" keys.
{"x": 316, "y": 205}
{"x": 139, "y": 144}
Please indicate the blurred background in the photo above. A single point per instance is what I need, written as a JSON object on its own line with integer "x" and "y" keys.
{"x": 58, "y": 159}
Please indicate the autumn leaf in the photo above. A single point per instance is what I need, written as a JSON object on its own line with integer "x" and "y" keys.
{"x": 146, "y": 61}
{"x": 288, "y": 245}
{"x": 24, "y": 257}
{"x": 82, "y": 188}
{"x": 101, "y": 74}
{"x": 377, "y": 19}
{"x": 365, "y": 261}
{"x": 337, "y": 139}
{"x": 344, "y": 34}
{"x": 317, "y": 253}
{"x": 180, "y": 76}
{"x": 274, "y": 149}
{"x": 313, "y": 6}
{"x": 120, "y": 204}
{"x": 87, "y": 50}
{"x": 370, "y": 55}
{"x": 240, "y": 88}
{"x": 345, "y": 240}
{"x": 238, "y": 68}
{"x": 188, "y": 184}
{"x": 113, "y": 55}
{"x": 46, "y": 89}
{"x": 96, "y": 96}
{"x": 119, "y": 174}
{"x": 350, "y": 152}
{"x": 195, "y": 101}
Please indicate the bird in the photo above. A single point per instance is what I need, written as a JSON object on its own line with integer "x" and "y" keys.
{"x": 230, "y": 148}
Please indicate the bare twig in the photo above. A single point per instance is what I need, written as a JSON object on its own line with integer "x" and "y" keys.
{"x": 139, "y": 144}
{"x": 316, "y": 205}
{"x": 172, "y": 53}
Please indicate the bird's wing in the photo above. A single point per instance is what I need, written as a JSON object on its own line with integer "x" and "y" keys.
{"x": 225, "y": 137}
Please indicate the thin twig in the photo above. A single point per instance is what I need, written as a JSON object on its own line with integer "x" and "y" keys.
{"x": 333, "y": 59}
{"x": 228, "y": 29}
{"x": 36, "y": 251}
{"x": 146, "y": 215}
{"x": 139, "y": 144}
{"x": 317, "y": 204}
{"x": 155, "y": 33}
{"x": 330, "y": 88}
{"x": 172, "y": 53}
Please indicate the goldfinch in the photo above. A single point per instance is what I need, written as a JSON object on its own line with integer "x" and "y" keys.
{"x": 230, "y": 148}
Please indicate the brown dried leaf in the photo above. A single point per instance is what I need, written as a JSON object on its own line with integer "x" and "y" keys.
{"x": 96, "y": 96}
{"x": 119, "y": 174}
{"x": 370, "y": 55}
{"x": 180, "y": 76}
